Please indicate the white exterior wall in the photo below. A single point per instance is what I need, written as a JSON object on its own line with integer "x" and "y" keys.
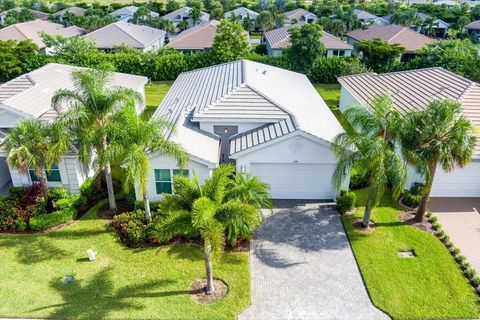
{"x": 8, "y": 119}
{"x": 155, "y": 45}
{"x": 346, "y": 100}
{"x": 242, "y": 127}
{"x": 161, "y": 162}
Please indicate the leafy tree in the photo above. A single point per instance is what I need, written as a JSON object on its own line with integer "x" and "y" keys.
{"x": 230, "y": 41}
{"x": 406, "y": 18}
{"x": 94, "y": 112}
{"x": 172, "y": 5}
{"x": 36, "y": 145}
{"x": 142, "y": 16}
{"x": 248, "y": 23}
{"x": 22, "y": 15}
{"x": 137, "y": 139}
{"x": 429, "y": 26}
{"x": 372, "y": 145}
{"x": 462, "y": 21}
{"x": 16, "y": 58}
{"x": 305, "y": 46}
{"x": 6, "y": 5}
{"x": 265, "y": 20}
{"x": 202, "y": 210}
{"x": 163, "y": 24}
{"x": 183, "y": 25}
{"x": 334, "y": 26}
{"x": 196, "y": 11}
{"x": 378, "y": 54}
{"x": 441, "y": 136}
{"x": 217, "y": 13}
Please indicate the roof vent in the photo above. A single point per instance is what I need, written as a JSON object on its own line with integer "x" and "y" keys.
{"x": 170, "y": 110}
{"x": 264, "y": 72}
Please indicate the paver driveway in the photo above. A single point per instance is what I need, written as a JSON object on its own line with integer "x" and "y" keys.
{"x": 460, "y": 219}
{"x": 302, "y": 267}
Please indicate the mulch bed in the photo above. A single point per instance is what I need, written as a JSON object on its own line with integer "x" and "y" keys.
{"x": 105, "y": 213}
{"x": 242, "y": 246}
{"x": 408, "y": 217}
{"x": 197, "y": 291}
{"x": 357, "y": 225}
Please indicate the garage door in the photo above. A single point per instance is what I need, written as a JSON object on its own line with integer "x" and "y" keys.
{"x": 458, "y": 183}
{"x": 296, "y": 181}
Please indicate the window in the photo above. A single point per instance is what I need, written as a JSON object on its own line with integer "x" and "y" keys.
{"x": 342, "y": 53}
{"x": 163, "y": 179}
{"x": 53, "y": 175}
{"x": 335, "y": 52}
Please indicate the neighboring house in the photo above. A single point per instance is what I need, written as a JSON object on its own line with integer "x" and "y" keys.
{"x": 127, "y": 34}
{"x": 277, "y": 40}
{"x": 32, "y": 30}
{"x": 36, "y": 14}
{"x": 392, "y": 33}
{"x": 29, "y": 96}
{"x": 74, "y": 11}
{"x": 184, "y": 14}
{"x": 198, "y": 38}
{"x": 448, "y": 3}
{"x": 299, "y": 15}
{"x": 471, "y": 3}
{"x": 269, "y": 121}
{"x": 366, "y": 18}
{"x": 412, "y": 90}
{"x": 440, "y": 26}
{"x": 473, "y": 28}
{"x": 242, "y": 13}
{"x": 126, "y": 13}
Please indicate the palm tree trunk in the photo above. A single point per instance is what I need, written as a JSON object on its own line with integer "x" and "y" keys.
{"x": 109, "y": 180}
{"x": 146, "y": 202}
{"x": 366, "y": 216}
{"x": 42, "y": 179}
{"x": 422, "y": 208}
{"x": 209, "y": 269}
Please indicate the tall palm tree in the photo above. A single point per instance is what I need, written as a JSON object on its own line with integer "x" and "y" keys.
{"x": 203, "y": 210}
{"x": 372, "y": 145}
{"x": 36, "y": 145}
{"x": 437, "y": 135}
{"x": 93, "y": 110}
{"x": 138, "y": 139}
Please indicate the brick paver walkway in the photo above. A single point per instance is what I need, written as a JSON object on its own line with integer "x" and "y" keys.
{"x": 460, "y": 219}
{"x": 302, "y": 267}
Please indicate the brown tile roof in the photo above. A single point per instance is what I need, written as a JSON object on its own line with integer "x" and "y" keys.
{"x": 475, "y": 25}
{"x": 280, "y": 38}
{"x": 412, "y": 90}
{"x": 197, "y": 38}
{"x": 32, "y": 29}
{"x": 393, "y": 33}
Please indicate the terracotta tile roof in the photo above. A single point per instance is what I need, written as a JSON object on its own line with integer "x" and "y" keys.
{"x": 197, "y": 38}
{"x": 393, "y": 33}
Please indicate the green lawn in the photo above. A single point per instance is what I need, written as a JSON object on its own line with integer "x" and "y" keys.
{"x": 331, "y": 95}
{"x": 122, "y": 284}
{"x": 430, "y": 286}
{"x": 154, "y": 94}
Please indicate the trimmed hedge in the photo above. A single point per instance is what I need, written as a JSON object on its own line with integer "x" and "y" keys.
{"x": 49, "y": 220}
{"x": 327, "y": 69}
{"x": 346, "y": 201}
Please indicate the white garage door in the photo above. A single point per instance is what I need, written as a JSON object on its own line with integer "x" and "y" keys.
{"x": 458, "y": 183}
{"x": 296, "y": 181}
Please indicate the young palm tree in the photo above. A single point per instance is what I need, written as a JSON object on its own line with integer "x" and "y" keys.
{"x": 203, "y": 210}
{"x": 36, "y": 145}
{"x": 93, "y": 110}
{"x": 437, "y": 135}
{"x": 137, "y": 140}
{"x": 249, "y": 189}
{"x": 372, "y": 145}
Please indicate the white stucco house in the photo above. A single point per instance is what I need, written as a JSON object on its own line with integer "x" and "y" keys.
{"x": 269, "y": 121}
{"x": 29, "y": 96}
{"x": 241, "y": 13}
{"x": 126, "y": 13}
{"x": 413, "y": 90}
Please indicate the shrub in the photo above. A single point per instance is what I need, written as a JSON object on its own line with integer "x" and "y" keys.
{"x": 471, "y": 272}
{"x": 417, "y": 188}
{"x": 56, "y": 194}
{"x": 328, "y": 69}
{"x": 346, "y": 201}
{"x": 131, "y": 227}
{"x": 10, "y": 220}
{"x": 49, "y": 220}
{"x": 154, "y": 206}
{"x": 433, "y": 219}
{"x": 67, "y": 202}
{"x": 358, "y": 178}
{"x": 88, "y": 188}
{"x": 410, "y": 199}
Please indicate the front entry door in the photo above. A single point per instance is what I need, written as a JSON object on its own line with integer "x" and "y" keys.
{"x": 225, "y": 132}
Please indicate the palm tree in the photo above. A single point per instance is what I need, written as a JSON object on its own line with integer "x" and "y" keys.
{"x": 138, "y": 139}
{"x": 203, "y": 210}
{"x": 371, "y": 145}
{"x": 94, "y": 110}
{"x": 249, "y": 189}
{"x": 437, "y": 135}
{"x": 36, "y": 145}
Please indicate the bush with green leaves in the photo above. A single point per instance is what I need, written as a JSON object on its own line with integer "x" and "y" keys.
{"x": 358, "y": 178}
{"x": 328, "y": 69}
{"x": 132, "y": 228}
{"x": 346, "y": 201}
{"x": 410, "y": 199}
{"x": 88, "y": 188}
{"x": 49, "y": 220}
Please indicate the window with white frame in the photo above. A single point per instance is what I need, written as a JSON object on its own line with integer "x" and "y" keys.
{"x": 164, "y": 179}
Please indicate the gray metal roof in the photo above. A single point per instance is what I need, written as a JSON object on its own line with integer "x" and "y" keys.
{"x": 362, "y": 14}
{"x": 174, "y": 15}
{"x": 15, "y": 86}
{"x": 242, "y": 11}
{"x": 412, "y": 90}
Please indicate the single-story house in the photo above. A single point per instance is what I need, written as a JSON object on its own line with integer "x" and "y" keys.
{"x": 473, "y": 28}
{"x": 198, "y": 38}
{"x": 299, "y": 15}
{"x": 31, "y": 30}
{"x": 74, "y": 11}
{"x": 270, "y": 122}
{"x": 413, "y": 90}
{"x": 366, "y": 18}
{"x": 277, "y": 40}
{"x": 36, "y": 14}
{"x": 128, "y": 34}
{"x": 448, "y": 3}
{"x": 184, "y": 14}
{"x": 440, "y": 26}
{"x": 29, "y": 96}
{"x": 126, "y": 13}
{"x": 392, "y": 33}
{"x": 242, "y": 13}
